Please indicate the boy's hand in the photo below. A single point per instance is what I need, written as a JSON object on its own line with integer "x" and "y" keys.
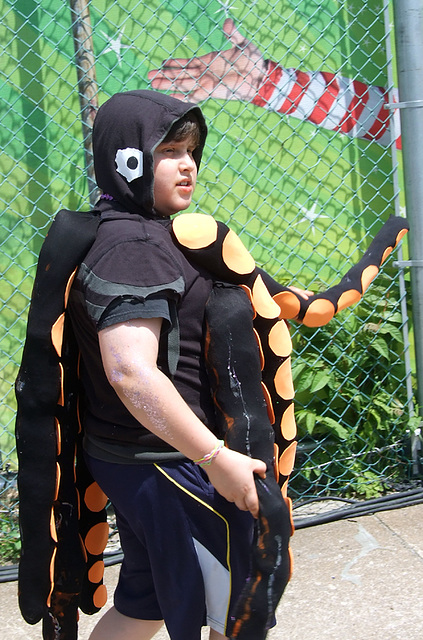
{"x": 303, "y": 293}
{"x": 232, "y": 475}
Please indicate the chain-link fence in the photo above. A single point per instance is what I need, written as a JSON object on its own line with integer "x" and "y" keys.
{"x": 302, "y": 160}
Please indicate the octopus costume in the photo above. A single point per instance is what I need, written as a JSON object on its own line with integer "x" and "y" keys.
{"x": 247, "y": 355}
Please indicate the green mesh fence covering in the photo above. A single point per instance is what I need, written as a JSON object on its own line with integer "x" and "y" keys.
{"x": 303, "y": 160}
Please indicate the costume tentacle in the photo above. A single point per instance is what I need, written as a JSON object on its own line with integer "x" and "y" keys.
{"x": 217, "y": 248}
{"x": 319, "y": 309}
{"x": 56, "y": 563}
{"x": 214, "y": 246}
{"x": 241, "y": 412}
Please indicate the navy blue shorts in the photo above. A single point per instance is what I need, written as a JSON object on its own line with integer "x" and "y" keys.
{"x": 186, "y": 549}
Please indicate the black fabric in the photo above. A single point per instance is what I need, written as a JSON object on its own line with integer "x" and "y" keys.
{"x": 144, "y": 118}
{"x": 130, "y": 308}
{"x": 132, "y": 253}
{"x": 110, "y": 451}
{"x": 235, "y": 377}
{"x": 37, "y": 391}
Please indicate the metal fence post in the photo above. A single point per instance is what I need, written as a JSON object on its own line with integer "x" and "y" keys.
{"x": 87, "y": 83}
{"x": 408, "y": 18}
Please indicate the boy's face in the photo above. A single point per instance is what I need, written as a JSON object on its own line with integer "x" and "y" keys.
{"x": 175, "y": 176}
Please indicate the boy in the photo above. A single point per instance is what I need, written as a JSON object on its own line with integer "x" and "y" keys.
{"x": 185, "y": 505}
{"x": 185, "y": 534}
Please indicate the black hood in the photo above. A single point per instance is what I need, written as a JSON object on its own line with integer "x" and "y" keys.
{"x": 127, "y": 129}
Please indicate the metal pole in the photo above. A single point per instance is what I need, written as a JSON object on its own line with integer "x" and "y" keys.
{"x": 401, "y": 278}
{"x": 408, "y": 21}
{"x": 87, "y": 84}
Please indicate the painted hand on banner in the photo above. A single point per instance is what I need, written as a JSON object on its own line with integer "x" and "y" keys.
{"x": 234, "y": 74}
{"x": 324, "y": 99}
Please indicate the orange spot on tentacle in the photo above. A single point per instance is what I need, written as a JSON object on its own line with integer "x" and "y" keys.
{"x": 96, "y": 538}
{"x": 368, "y": 275}
{"x": 96, "y": 572}
{"x": 236, "y": 256}
{"x": 57, "y": 481}
{"x": 288, "y": 304}
{"x": 283, "y": 381}
{"x": 250, "y": 297}
{"x": 269, "y": 403}
{"x": 53, "y": 531}
{"x": 263, "y": 302}
{"x": 195, "y": 230}
{"x": 276, "y": 461}
{"x": 400, "y": 235}
{"x": 52, "y": 563}
{"x": 260, "y": 348}
{"x": 319, "y": 312}
{"x": 58, "y": 437}
{"x": 284, "y": 489}
{"x": 61, "y": 398}
{"x": 386, "y": 253}
{"x": 57, "y": 334}
{"x": 288, "y": 503}
{"x": 288, "y": 424}
{"x": 94, "y": 498}
{"x": 68, "y": 287}
{"x": 347, "y": 298}
{"x": 279, "y": 339}
{"x": 286, "y": 462}
{"x": 100, "y": 596}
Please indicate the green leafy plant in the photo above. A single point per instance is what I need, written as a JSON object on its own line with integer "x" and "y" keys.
{"x": 10, "y": 544}
{"x": 9, "y": 525}
{"x": 351, "y": 401}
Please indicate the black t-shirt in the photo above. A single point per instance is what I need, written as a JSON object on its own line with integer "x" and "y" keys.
{"x": 134, "y": 270}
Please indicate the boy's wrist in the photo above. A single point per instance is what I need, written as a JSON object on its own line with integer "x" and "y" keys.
{"x": 208, "y": 458}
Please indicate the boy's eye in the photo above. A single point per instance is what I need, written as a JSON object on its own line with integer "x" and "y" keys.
{"x": 166, "y": 150}
{"x": 175, "y": 150}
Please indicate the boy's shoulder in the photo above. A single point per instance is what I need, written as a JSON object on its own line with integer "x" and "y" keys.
{"x": 134, "y": 249}
{"x": 124, "y": 228}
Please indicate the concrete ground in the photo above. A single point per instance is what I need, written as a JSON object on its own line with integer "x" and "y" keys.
{"x": 356, "y": 579}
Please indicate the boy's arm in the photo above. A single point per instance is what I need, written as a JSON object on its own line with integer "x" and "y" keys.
{"x": 129, "y": 352}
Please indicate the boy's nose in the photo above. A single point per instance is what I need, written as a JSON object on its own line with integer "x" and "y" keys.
{"x": 188, "y": 161}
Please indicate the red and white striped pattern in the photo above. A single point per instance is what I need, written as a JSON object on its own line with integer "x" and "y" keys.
{"x": 330, "y": 101}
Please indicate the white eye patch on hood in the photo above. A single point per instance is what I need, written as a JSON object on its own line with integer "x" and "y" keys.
{"x": 129, "y": 163}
